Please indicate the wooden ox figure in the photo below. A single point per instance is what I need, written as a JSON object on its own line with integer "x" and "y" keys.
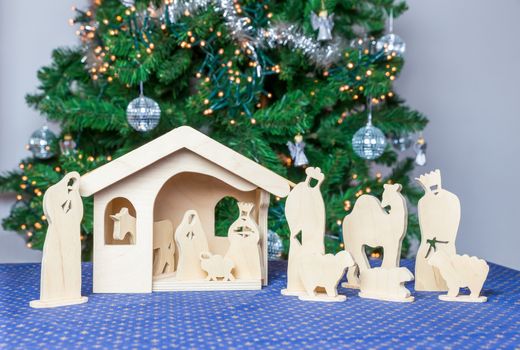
{"x": 163, "y": 243}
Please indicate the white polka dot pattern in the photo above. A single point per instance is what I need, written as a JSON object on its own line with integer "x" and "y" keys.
{"x": 255, "y": 319}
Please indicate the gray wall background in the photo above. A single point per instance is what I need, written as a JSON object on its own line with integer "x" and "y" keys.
{"x": 461, "y": 71}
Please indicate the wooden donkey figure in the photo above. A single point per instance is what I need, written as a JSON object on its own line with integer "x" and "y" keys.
{"x": 370, "y": 225}
{"x": 163, "y": 243}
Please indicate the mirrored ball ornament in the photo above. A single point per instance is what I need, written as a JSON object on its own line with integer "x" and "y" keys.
{"x": 274, "y": 245}
{"x": 41, "y": 143}
{"x": 143, "y": 114}
{"x": 369, "y": 142}
{"x": 391, "y": 43}
{"x": 401, "y": 142}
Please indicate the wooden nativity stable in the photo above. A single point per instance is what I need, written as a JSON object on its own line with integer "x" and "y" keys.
{"x": 180, "y": 171}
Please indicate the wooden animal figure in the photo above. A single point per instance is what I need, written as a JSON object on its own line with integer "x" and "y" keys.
{"x": 305, "y": 213}
{"x": 460, "y": 271}
{"x": 60, "y": 283}
{"x": 124, "y": 224}
{"x": 439, "y": 217}
{"x": 163, "y": 247}
{"x": 386, "y": 284}
{"x": 244, "y": 251}
{"x": 163, "y": 243}
{"x": 191, "y": 240}
{"x": 319, "y": 270}
{"x": 370, "y": 225}
{"x": 217, "y": 267}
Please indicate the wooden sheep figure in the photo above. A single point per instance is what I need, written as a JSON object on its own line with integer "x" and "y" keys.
{"x": 217, "y": 267}
{"x": 386, "y": 284}
{"x": 370, "y": 225}
{"x": 318, "y": 270}
{"x": 460, "y": 271}
{"x": 163, "y": 243}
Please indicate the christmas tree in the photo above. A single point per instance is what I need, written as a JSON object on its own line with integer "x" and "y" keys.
{"x": 253, "y": 75}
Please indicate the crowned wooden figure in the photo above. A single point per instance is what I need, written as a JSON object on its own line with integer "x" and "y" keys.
{"x": 439, "y": 217}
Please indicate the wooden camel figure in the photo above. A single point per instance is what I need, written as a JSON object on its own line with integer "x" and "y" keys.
{"x": 60, "y": 282}
{"x": 163, "y": 240}
{"x": 371, "y": 225}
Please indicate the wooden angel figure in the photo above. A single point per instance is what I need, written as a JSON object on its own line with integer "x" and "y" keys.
{"x": 60, "y": 283}
{"x": 244, "y": 251}
{"x": 439, "y": 217}
{"x": 305, "y": 213}
{"x": 191, "y": 241}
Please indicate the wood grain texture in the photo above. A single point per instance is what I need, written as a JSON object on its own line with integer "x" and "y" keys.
{"x": 183, "y": 137}
{"x": 369, "y": 224}
{"x": 60, "y": 282}
{"x": 460, "y": 271}
{"x": 439, "y": 217}
{"x": 165, "y": 190}
{"x": 305, "y": 213}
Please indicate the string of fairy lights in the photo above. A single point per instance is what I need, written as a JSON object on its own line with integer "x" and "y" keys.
{"x": 231, "y": 77}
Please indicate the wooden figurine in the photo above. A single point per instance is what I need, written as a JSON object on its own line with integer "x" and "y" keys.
{"x": 181, "y": 170}
{"x": 124, "y": 224}
{"x": 163, "y": 243}
{"x": 60, "y": 283}
{"x": 386, "y": 284}
{"x": 305, "y": 213}
{"x": 325, "y": 271}
{"x": 439, "y": 217}
{"x": 163, "y": 247}
{"x": 370, "y": 225}
{"x": 460, "y": 271}
{"x": 243, "y": 235}
{"x": 217, "y": 267}
{"x": 191, "y": 239}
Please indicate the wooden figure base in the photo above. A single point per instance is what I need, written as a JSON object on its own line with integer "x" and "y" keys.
{"x": 349, "y": 285}
{"x": 42, "y": 304}
{"x": 463, "y": 298}
{"x": 291, "y": 294}
{"x": 385, "y": 297}
{"x": 169, "y": 283}
{"x": 323, "y": 298}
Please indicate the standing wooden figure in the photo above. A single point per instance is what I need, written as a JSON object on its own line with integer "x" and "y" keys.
{"x": 191, "y": 239}
{"x": 305, "y": 213}
{"x": 439, "y": 217}
{"x": 244, "y": 235}
{"x": 370, "y": 225}
{"x": 61, "y": 263}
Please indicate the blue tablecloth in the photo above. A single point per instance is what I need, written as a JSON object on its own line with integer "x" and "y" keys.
{"x": 255, "y": 319}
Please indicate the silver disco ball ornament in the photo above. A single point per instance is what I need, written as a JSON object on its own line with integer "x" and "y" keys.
{"x": 401, "y": 142}
{"x": 274, "y": 245}
{"x": 41, "y": 143}
{"x": 143, "y": 114}
{"x": 391, "y": 44}
{"x": 369, "y": 142}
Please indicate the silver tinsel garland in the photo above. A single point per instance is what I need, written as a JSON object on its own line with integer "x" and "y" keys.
{"x": 276, "y": 34}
